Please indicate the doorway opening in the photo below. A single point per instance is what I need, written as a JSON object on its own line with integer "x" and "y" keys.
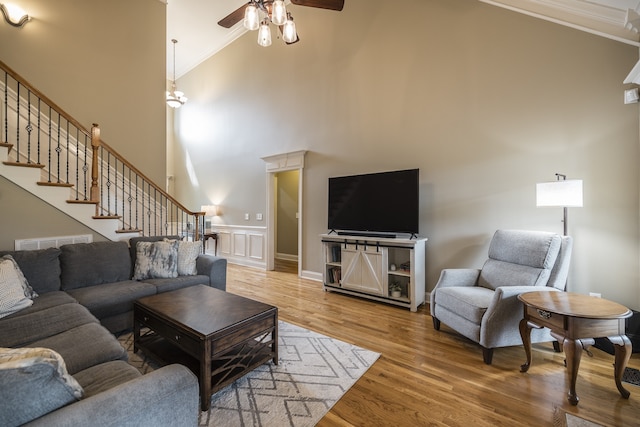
{"x": 284, "y": 210}
{"x": 286, "y": 220}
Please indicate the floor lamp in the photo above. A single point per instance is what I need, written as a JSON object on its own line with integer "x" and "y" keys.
{"x": 562, "y": 192}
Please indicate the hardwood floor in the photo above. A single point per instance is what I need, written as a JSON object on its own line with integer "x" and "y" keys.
{"x": 438, "y": 378}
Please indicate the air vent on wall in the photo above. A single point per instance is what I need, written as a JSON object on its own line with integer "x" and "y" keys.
{"x": 51, "y": 242}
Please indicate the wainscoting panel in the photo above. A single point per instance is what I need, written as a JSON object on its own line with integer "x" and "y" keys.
{"x": 256, "y": 246}
{"x": 239, "y": 243}
{"x": 242, "y": 245}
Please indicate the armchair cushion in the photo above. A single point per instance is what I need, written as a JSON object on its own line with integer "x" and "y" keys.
{"x": 468, "y": 302}
{"x": 520, "y": 258}
{"x": 537, "y": 249}
{"x": 499, "y": 273}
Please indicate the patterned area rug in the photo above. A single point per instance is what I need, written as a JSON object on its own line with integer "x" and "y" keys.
{"x": 565, "y": 419}
{"x": 313, "y": 373}
{"x": 631, "y": 376}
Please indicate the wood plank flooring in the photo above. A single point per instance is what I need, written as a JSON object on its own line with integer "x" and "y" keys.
{"x": 437, "y": 378}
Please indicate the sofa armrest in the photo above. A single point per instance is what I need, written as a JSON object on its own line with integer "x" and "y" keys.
{"x": 214, "y": 267}
{"x": 168, "y": 396}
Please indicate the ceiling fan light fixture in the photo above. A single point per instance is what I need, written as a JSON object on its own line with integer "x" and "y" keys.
{"x": 251, "y": 17}
{"x": 264, "y": 34}
{"x": 278, "y": 12}
{"x": 289, "y": 34}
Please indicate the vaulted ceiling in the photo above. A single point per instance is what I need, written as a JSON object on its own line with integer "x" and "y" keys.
{"x": 194, "y": 23}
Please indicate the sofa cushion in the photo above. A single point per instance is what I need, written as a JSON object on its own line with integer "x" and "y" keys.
{"x": 22, "y": 329}
{"x": 47, "y": 300}
{"x": 34, "y": 382}
{"x": 15, "y": 292}
{"x": 112, "y": 298}
{"x": 40, "y": 267}
{"x": 105, "y": 376}
{"x": 89, "y": 264}
{"x": 156, "y": 260}
{"x": 84, "y": 346}
{"x": 166, "y": 285}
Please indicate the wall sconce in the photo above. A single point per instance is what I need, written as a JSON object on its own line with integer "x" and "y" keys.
{"x": 210, "y": 210}
{"x": 564, "y": 193}
{"x": 14, "y": 15}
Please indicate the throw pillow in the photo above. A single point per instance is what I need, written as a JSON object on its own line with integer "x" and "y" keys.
{"x": 15, "y": 292}
{"x": 187, "y": 255}
{"x": 156, "y": 260}
{"x": 35, "y": 382}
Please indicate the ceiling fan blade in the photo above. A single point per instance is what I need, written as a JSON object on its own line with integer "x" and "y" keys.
{"x": 233, "y": 18}
{"x": 322, "y": 4}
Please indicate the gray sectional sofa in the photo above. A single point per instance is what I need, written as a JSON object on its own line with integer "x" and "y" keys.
{"x": 85, "y": 295}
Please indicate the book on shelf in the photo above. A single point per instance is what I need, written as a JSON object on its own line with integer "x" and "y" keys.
{"x": 335, "y": 253}
{"x": 334, "y": 275}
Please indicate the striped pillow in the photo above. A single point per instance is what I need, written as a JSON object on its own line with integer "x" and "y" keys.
{"x": 15, "y": 292}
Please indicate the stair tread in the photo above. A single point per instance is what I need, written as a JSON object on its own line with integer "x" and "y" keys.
{"x": 54, "y": 184}
{"x": 83, "y": 202}
{"x": 107, "y": 216}
{"x": 132, "y": 230}
{"x": 24, "y": 165}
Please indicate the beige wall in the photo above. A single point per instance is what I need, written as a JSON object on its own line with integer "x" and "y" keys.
{"x": 101, "y": 61}
{"x": 37, "y": 219}
{"x": 486, "y": 102}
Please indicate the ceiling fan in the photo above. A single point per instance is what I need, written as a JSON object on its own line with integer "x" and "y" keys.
{"x": 267, "y": 7}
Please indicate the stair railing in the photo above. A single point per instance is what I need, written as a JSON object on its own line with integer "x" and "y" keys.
{"x": 42, "y": 135}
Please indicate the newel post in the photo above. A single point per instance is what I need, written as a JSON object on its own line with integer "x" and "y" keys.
{"x": 95, "y": 145}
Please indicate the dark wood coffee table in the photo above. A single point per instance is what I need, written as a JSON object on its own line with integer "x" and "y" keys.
{"x": 218, "y": 335}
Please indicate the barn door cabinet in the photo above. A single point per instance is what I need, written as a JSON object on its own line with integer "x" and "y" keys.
{"x": 390, "y": 270}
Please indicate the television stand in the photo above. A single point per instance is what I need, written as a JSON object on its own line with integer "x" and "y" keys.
{"x": 385, "y": 269}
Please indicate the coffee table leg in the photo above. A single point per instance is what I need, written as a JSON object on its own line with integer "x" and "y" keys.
{"x": 525, "y": 334}
{"x": 622, "y": 346}
{"x": 274, "y": 345}
{"x": 136, "y": 334}
{"x": 205, "y": 376}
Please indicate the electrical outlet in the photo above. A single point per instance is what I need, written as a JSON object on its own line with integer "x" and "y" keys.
{"x": 258, "y": 217}
{"x": 246, "y": 217}
{"x": 595, "y": 294}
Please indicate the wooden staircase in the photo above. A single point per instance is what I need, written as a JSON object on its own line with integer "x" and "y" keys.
{"x": 49, "y": 154}
{"x": 29, "y": 177}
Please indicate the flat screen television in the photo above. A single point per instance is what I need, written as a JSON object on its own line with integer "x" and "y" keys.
{"x": 375, "y": 204}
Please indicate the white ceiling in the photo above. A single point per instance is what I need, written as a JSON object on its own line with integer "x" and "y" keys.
{"x": 194, "y": 23}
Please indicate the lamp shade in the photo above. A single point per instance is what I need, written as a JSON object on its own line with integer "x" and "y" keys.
{"x": 210, "y": 210}
{"x": 566, "y": 193}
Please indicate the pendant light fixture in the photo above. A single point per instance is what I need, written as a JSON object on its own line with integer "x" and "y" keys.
{"x": 175, "y": 98}
{"x": 264, "y": 33}
{"x": 289, "y": 34}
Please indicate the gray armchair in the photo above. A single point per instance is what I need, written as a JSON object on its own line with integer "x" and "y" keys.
{"x": 482, "y": 304}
